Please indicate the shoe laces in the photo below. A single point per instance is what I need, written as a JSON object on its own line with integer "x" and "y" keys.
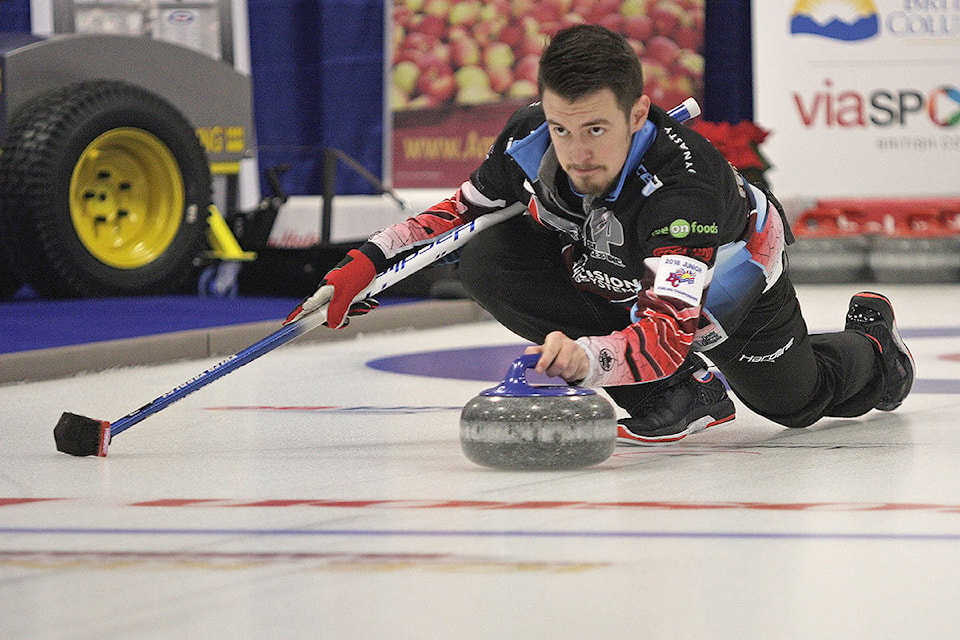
{"x": 864, "y": 315}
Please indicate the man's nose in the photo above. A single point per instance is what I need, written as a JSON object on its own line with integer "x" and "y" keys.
{"x": 581, "y": 150}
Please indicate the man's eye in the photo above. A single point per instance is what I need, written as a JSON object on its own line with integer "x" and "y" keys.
{"x": 560, "y": 131}
{"x": 597, "y": 131}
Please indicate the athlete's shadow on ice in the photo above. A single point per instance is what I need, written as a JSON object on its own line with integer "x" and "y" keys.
{"x": 874, "y": 429}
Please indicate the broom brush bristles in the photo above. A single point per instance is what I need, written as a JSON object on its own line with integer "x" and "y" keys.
{"x": 81, "y": 436}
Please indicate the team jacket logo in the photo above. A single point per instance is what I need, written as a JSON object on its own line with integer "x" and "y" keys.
{"x": 606, "y": 360}
{"x": 650, "y": 181}
{"x": 582, "y": 275}
{"x": 604, "y": 233}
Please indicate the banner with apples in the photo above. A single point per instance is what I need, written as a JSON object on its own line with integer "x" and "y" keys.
{"x": 459, "y": 68}
{"x": 862, "y": 97}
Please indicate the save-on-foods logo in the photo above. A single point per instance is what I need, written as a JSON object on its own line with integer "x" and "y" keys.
{"x": 848, "y": 20}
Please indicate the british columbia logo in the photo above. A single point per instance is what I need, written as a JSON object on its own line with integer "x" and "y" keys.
{"x": 848, "y": 20}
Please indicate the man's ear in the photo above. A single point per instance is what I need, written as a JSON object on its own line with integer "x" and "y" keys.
{"x": 639, "y": 113}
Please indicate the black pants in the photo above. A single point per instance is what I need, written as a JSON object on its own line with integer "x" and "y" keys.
{"x": 515, "y": 271}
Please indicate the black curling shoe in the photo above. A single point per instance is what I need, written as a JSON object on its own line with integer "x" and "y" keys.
{"x": 872, "y": 314}
{"x": 690, "y": 406}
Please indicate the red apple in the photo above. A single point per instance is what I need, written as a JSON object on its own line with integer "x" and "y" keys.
{"x": 500, "y": 78}
{"x": 495, "y": 10}
{"x": 688, "y": 36}
{"x": 548, "y": 29}
{"x": 663, "y": 50}
{"x": 398, "y": 100}
{"x": 612, "y": 21}
{"x": 633, "y": 8}
{"x": 416, "y": 41}
{"x": 691, "y": 63}
{"x": 571, "y": 19}
{"x": 438, "y": 84}
{"x": 654, "y": 71}
{"x": 404, "y": 77}
{"x": 527, "y": 68}
{"x": 498, "y": 55}
{"x": 422, "y": 102}
{"x": 532, "y": 44}
{"x": 601, "y": 8}
{"x": 666, "y": 17}
{"x": 522, "y": 89}
{"x": 439, "y": 8}
{"x": 638, "y": 27}
{"x": 552, "y": 10}
{"x": 464, "y": 51}
{"x": 486, "y": 31}
{"x": 408, "y": 54}
{"x": 402, "y": 15}
{"x": 437, "y": 59}
{"x": 521, "y": 8}
{"x": 511, "y": 35}
{"x": 637, "y": 46}
{"x": 582, "y": 7}
{"x": 472, "y": 76}
{"x": 544, "y": 13}
{"x": 432, "y": 25}
{"x": 464, "y": 12}
{"x": 473, "y": 86}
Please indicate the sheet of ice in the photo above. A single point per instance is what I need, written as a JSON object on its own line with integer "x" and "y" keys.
{"x": 309, "y": 495}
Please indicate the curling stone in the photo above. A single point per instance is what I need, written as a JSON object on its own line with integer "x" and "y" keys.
{"x": 518, "y": 426}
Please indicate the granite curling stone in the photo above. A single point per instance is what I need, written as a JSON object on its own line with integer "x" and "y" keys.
{"x": 518, "y": 426}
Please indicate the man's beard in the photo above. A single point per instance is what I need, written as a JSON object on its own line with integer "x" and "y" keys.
{"x": 591, "y": 187}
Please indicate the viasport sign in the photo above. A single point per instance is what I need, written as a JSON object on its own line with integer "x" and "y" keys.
{"x": 832, "y": 106}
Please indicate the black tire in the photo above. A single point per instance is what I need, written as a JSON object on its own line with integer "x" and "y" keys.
{"x": 104, "y": 191}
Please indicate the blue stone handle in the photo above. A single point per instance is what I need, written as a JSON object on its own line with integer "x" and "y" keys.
{"x": 515, "y": 384}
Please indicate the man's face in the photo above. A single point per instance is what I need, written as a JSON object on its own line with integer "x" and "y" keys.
{"x": 592, "y": 136}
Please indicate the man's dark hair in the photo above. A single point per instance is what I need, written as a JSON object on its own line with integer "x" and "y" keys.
{"x": 586, "y": 58}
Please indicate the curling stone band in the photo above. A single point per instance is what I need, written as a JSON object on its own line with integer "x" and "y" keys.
{"x": 523, "y": 427}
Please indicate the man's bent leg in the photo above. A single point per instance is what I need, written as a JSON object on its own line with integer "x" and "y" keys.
{"x": 515, "y": 271}
{"x": 790, "y": 377}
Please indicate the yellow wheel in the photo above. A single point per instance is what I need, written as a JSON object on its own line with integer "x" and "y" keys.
{"x": 126, "y": 198}
{"x": 104, "y": 189}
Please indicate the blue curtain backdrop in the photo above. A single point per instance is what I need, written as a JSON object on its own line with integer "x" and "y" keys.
{"x": 318, "y": 82}
{"x": 15, "y": 16}
{"x": 317, "y": 78}
{"x": 728, "y": 58}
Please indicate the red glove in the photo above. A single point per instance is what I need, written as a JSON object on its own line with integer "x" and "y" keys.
{"x": 338, "y": 289}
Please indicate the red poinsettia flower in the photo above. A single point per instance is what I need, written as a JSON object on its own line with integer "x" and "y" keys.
{"x": 739, "y": 143}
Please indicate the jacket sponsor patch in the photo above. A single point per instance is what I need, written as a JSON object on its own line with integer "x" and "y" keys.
{"x": 680, "y": 278}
